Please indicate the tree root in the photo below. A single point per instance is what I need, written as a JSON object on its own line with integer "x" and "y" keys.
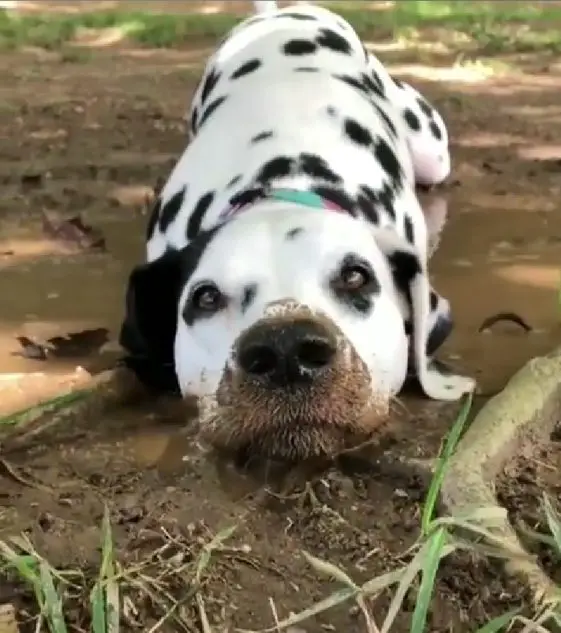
{"x": 524, "y": 413}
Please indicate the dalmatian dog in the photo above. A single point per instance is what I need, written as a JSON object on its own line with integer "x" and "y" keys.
{"x": 286, "y": 283}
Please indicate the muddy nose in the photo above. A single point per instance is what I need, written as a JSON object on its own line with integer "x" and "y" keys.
{"x": 286, "y": 353}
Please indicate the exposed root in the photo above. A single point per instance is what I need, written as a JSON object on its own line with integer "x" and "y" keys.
{"x": 524, "y": 413}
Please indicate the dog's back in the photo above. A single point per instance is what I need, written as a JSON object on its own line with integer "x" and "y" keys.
{"x": 286, "y": 101}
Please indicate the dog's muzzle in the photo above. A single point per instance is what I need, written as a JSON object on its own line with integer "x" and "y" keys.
{"x": 281, "y": 354}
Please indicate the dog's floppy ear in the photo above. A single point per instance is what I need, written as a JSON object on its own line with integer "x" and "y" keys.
{"x": 411, "y": 278}
{"x": 148, "y": 330}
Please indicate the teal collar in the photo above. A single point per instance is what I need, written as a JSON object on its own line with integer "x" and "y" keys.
{"x": 305, "y": 198}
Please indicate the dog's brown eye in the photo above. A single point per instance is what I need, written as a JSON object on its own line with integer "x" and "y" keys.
{"x": 207, "y": 298}
{"x": 353, "y": 278}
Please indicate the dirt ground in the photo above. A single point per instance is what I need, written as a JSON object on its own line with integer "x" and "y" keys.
{"x": 92, "y": 136}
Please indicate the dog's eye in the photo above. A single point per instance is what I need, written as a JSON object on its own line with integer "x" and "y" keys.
{"x": 353, "y": 278}
{"x": 207, "y": 298}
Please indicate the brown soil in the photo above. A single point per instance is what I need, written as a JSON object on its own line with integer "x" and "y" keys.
{"x": 93, "y": 138}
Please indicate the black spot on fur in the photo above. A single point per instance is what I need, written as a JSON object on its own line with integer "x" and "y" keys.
{"x": 317, "y": 168}
{"x": 376, "y": 79}
{"x": 389, "y": 125}
{"x": 397, "y": 82}
{"x": 211, "y": 108}
{"x": 388, "y": 161}
{"x": 439, "y": 334}
{"x": 171, "y": 208}
{"x": 249, "y": 67}
{"x": 358, "y": 133}
{"x": 372, "y": 86}
{"x": 296, "y": 16}
{"x": 262, "y": 136}
{"x": 279, "y": 167}
{"x": 209, "y": 84}
{"x": 425, "y": 107}
{"x": 194, "y": 119}
{"x": 409, "y": 230}
{"x": 404, "y": 266}
{"x": 248, "y": 296}
{"x": 234, "y": 181}
{"x": 153, "y": 219}
{"x": 368, "y": 192}
{"x": 366, "y": 205}
{"x": 333, "y": 41}
{"x": 247, "y": 196}
{"x": 353, "y": 82}
{"x": 297, "y": 47}
{"x": 306, "y": 69}
{"x": 290, "y": 235}
{"x": 411, "y": 119}
{"x": 386, "y": 197}
{"x": 197, "y": 215}
{"x": 331, "y": 111}
{"x": 435, "y": 130}
{"x": 366, "y": 53}
{"x": 433, "y": 300}
{"x": 371, "y": 202}
{"x": 338, "y": 196}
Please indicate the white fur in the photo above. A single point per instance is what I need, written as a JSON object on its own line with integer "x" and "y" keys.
{"x": 253, "y": 249}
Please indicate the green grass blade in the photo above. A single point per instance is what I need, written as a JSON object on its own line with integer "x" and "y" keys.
{"x": 215, "y": 543}
{"x": 53, "y": 601}
{"x": 553, "y": 522}
{"x": 442, "y": 463}
{"x": 499, "y": 623}
{"x": 97, "y": 602}
{"x": 405, "y": 583}
{"x": 434, "y": 547}
{"x": 104, "y": 597}
{"x": 112, "y": 599}
{"x": 49, "y": 406}
{"x": 26, "y": 566}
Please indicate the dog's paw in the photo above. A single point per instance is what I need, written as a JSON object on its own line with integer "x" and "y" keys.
{"x": 440, "y": 385}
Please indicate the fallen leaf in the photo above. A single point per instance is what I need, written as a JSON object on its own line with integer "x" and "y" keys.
{"x": 79, "y": 344}
{"x": 31, "y": 181}
{"x": 73, "y": 345}
{"x": 30, "y": 349}
{"x": 74, "y": 231}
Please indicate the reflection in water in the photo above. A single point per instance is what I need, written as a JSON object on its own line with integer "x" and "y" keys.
{"x": 503, "y": 257}
{"x": 491, "y": 261}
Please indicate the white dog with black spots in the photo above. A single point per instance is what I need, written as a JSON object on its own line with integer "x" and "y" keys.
{"x": 296, "y": 192}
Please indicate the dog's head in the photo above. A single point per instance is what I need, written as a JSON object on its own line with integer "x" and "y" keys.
{"x": 285, "y": 322}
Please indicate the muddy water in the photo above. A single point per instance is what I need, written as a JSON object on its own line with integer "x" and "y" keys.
{"x": 54, "y": 293}
{"x": 501, "y": 254}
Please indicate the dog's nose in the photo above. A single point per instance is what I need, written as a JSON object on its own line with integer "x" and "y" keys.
{"x": 286, "y": 354}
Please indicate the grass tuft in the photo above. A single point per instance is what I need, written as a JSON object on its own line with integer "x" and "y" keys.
{"x": 492, "y": 27}
{"x": 49, "y": 406}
